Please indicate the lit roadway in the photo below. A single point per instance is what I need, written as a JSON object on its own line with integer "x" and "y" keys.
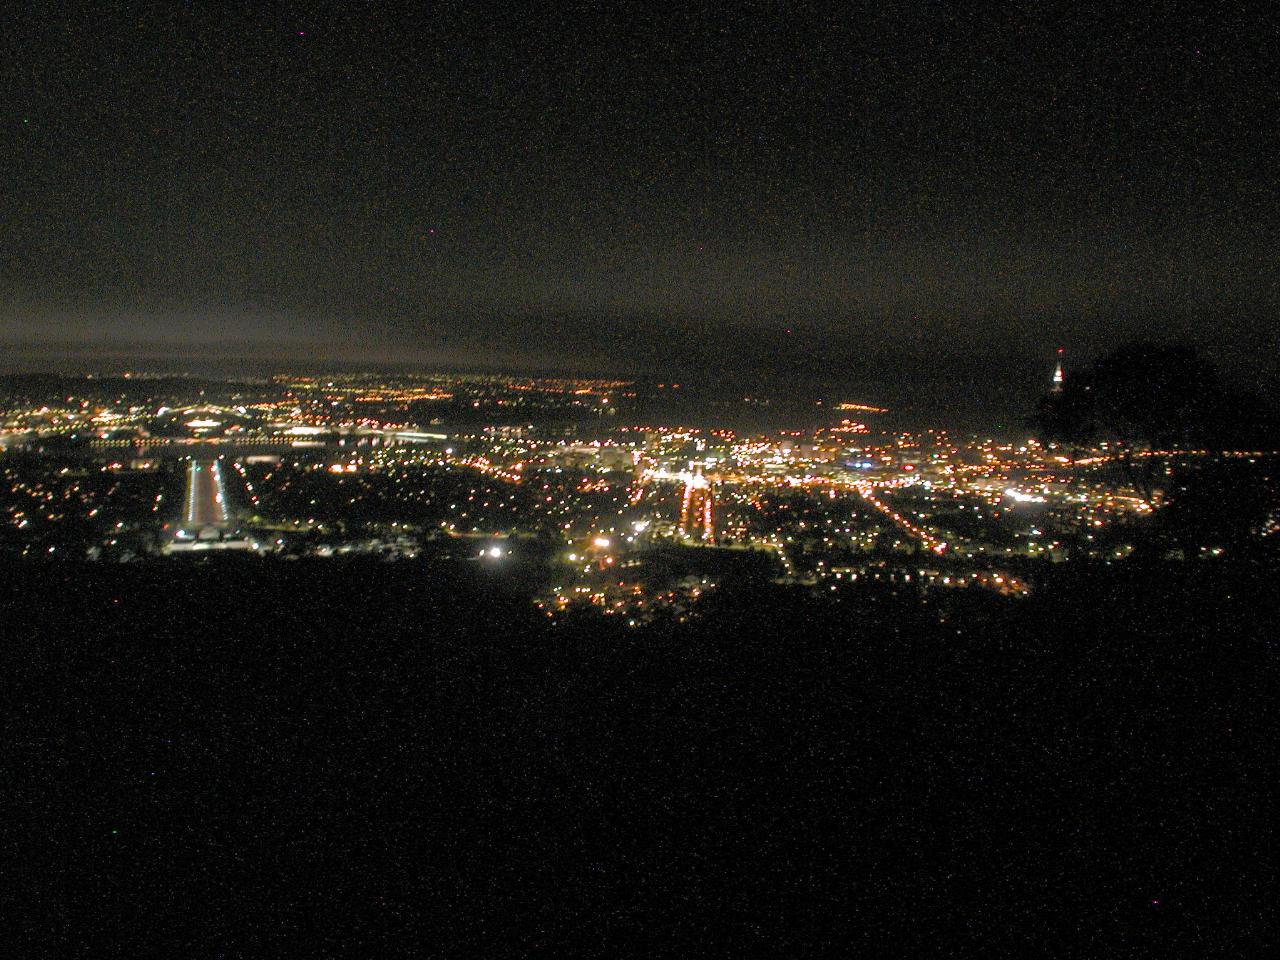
{"x": 206, "y": 503}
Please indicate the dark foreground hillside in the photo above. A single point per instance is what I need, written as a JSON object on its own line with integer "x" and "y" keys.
{"x": 254, "y": 759}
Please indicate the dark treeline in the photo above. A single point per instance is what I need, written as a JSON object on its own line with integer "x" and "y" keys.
{"x": 243, "y": 758}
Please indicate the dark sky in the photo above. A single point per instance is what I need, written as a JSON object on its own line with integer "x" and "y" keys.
{"x": 898, "y": 190}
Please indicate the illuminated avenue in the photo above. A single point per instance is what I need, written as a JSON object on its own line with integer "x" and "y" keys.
{"x": 206, "y": 502}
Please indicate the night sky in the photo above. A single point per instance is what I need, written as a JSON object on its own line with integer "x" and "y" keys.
{"x": 902, "y": 191}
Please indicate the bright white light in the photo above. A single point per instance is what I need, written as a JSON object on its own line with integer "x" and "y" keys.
{"x": 495, "y": 552}
{"x": 602, "y": 542}
{"x": 1019, "y": 497}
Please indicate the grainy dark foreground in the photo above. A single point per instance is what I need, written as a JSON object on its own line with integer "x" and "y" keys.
{"x": 224, "y": 760}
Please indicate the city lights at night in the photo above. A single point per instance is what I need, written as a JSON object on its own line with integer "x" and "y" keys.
{"x": 619, "y": 479}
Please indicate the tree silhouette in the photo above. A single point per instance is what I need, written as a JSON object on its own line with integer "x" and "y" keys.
{"x": 1139, "y": 399}
{"x": 1146, "y": 401}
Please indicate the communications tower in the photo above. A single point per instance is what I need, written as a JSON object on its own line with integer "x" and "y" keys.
{"x": 1058, "y": 376}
